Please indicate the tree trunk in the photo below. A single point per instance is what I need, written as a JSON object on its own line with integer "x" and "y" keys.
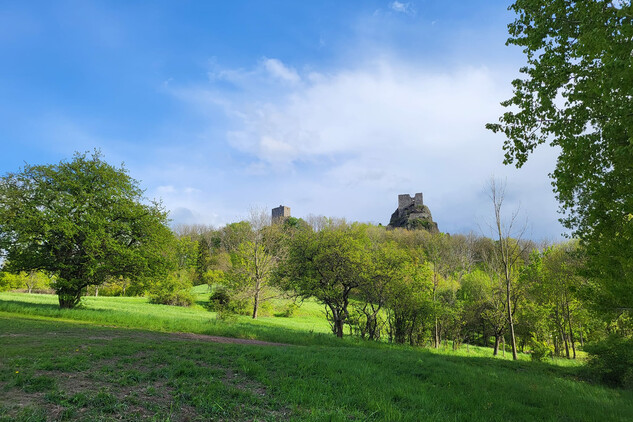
{"x": 497, "y": 341}
{"x": 571, "y": 332}
{"x": 339, "y": 328}
{"x": 504, "y": 346}
{"x": 564, "y": 337}
{"x": 69, "y": 299}
{"x": 437, "y": 329}
{"x": 256, "y": 299}
{"x": 512, "y": 337}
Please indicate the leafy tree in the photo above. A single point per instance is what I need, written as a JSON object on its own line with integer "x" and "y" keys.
{"x": 386, "y": 267}
{"x": 507, "y": 254}
{"x": 576, "y": 94}
{"x": 411, "y": 309}
{"x": 82, "y": 221}
{"x": 441, "y": 257}
{"x": 253, "y": 259}
{"x": 330, "y": 265}
{"x": 33, "y": 280}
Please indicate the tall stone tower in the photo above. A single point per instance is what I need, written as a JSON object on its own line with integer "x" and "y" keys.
{"x": 280, "y": 213}
{"x": 412, "y": 214}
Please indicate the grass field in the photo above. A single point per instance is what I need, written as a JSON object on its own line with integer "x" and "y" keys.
{"x": 118, "y": 359}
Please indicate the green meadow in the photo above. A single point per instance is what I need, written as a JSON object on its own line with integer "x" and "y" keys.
{"x": 125, "y": 359}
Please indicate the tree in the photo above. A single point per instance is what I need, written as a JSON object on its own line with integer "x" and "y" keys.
{"x": 82, "y": 221}
{"x": 441, "y": 257}
{"x": 507, "y": 254}
{"x": 328, "y": 264}
{"x": 253, "y": 259}
{"x": 410, "y": 303}
{"x": 386, "y": 267}
{"x": 577, "y": 95}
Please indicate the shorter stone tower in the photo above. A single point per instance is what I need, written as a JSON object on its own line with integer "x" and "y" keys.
{"x": 280, "y": 213}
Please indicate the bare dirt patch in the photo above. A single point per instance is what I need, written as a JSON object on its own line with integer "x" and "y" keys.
{"x": 226, "y": 340}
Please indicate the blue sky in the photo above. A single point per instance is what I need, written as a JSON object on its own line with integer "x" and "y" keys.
{"x": 332, "y": 107}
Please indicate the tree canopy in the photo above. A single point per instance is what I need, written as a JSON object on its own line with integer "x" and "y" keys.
{"x": 83, "y": 221}
{"x": 577, "y": 94}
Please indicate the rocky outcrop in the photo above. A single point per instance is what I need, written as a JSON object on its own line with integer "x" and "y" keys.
{"x": 412, "y": 214}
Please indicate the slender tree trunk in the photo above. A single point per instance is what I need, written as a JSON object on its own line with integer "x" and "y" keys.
{"x": 504, "y": 346}
{"x": 564, "y": 336}
{"x": 571, "y": 332}
{"x": 96, "y": 290}
{"x": 437, "y": 330}
{"x": 582, "y": 341}
{"x": 510, "y": 321}
{"x": 256, "y": 299}
{"x": 496, "y": 349}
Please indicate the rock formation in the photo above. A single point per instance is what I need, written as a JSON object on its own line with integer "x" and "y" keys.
{"x": 413, "y": 214}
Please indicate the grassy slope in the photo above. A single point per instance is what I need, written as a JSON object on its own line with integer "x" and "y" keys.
{"x": 67, "y": 369}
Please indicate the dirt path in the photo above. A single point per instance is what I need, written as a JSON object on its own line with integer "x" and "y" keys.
{"x": 226, "y": 340}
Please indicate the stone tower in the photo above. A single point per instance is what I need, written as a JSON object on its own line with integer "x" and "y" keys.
{"x": 412, "y": 214}
{"x": 280, "y": 213}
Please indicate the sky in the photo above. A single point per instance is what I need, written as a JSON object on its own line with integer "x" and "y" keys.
{"x": 329, "y": 107}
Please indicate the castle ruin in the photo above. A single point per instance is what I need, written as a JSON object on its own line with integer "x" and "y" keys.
{"x": 412, "y": 214}
{"x": 405, "y": 200}
{"x": 280, "y": 213}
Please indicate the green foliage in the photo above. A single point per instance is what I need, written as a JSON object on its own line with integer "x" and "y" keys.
{"x": 33, "y": 281}
{"x": 576, "y": 96}
{"x": 173, "y": 289}
{"x": 541, "y": 350}
{"x": 225, "y": 304}
{"x": 82, "y": 221}
{"x": 418, "y": 223}
{"x": 219, "y": 299}
{"x": 290, "y": 310}
{"x": 329, "y": 265}
{"x": 10, "y": 281}
{"x": 611, "y": 361}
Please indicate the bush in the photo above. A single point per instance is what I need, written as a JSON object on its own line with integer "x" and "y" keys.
{"x": 180, "y": 298}
{"x": 540, "y": 350}
{"x": 222, "y": 302}
{"x": 611, "y": 361}
{"x": 289, "y": 311}
{"x": 219, "y": 299}
{"x": 173, "y": 290}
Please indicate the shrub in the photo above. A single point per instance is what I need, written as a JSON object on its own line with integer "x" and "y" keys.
{"x": 540, "y": 350}
{"x": 219, "y": 299}
{"x": 178, "y": 298}
{"x": 611, "y": 361}
{"x": 289, "y": 311}
{"x": 222, "y": 302}
{"x": 173, "y": 290}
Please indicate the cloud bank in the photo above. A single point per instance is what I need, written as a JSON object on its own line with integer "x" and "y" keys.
{"x": 346, "y": 142}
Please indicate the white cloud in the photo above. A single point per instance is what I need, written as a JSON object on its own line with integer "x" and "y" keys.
{"x": 278, "y": 70}
{"x": 346, "y": 142}
{"x": 399, "y": 7}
